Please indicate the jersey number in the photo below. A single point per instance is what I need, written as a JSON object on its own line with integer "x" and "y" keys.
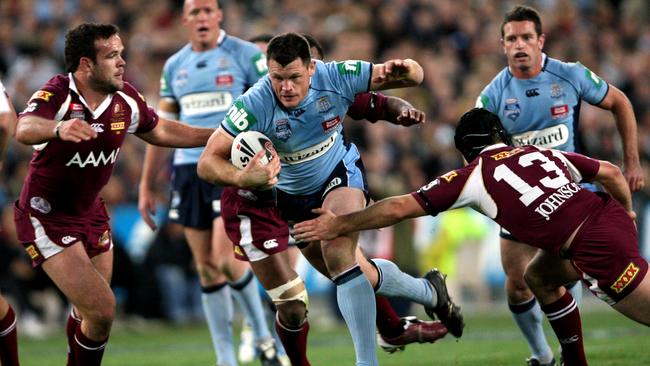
{"x": 528, "y": 193}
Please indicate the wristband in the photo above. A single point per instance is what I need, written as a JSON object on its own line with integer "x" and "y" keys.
{"x": 57, "y": 128}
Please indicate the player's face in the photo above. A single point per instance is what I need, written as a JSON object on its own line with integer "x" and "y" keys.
{"x": 106, "y": 74}
{"x": 522, "y": 47}
{"x": 291, "y": 82}
{"x": 203, "y": 20}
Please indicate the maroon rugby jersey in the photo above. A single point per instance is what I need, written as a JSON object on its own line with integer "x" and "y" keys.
{"x": 65, "y": 177}
{"x": 530, "y": 191}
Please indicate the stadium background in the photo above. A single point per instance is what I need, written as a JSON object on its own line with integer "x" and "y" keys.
{"x": 456, "y": 42}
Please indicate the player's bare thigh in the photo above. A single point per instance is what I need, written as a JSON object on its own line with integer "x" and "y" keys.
{"x": 339, "y": 253}
{"x": 200, "y": 242}
{"x": 274, "y": 270}
{"x": 514, "y": 259}
{"x": 636, "y": 305}
{"x": 546, "y": 274}
{"x": 223, "y": 254}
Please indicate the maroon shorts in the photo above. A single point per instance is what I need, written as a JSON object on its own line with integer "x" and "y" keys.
{"x": 44, "y": 235}
{"x": 605, "y": 252}
{"x": 253, "y": 223}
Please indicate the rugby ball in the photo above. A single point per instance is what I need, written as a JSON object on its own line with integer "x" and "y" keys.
{"x": 246, "y": 145}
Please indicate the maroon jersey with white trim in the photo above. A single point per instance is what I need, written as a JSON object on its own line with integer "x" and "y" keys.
{"x": 531, "y": 191}
{"x": 65, "y": 177}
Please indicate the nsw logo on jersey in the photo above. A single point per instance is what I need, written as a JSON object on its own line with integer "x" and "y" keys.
{"x": 512, "y": 109}
{"x": 283, "y": 129}
{"x": 239, "y": 117}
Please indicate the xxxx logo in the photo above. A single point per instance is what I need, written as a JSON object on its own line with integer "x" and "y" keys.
{"x": 625, "y": 278}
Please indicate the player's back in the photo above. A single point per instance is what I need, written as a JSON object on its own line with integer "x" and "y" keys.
{"x": 536, "y": 193}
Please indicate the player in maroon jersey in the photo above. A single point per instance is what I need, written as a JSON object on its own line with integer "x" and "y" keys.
{"x": 8, "y": 342}
{"x": 533, "y": 193}
{"x": 77, "y": 124}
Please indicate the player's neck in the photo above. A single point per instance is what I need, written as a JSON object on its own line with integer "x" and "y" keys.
{"x": 526, "y": 74}
{"x": 91, "y": 96}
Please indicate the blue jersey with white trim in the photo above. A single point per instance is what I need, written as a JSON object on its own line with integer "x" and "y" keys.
{"x": 205, "y": 84}
{"x": 309, "y": 137}
{"x": 544, "y": 110}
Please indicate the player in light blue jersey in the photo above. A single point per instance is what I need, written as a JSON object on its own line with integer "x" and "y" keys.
{"x": 538, "y": 100}
{"x": 300, "y": 107}
{"x": 198, "y": 85}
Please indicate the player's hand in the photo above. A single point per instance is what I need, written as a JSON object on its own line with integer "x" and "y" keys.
{"x": 147, "y": 206}
{"x": 76, "y": 130}
{"x": 260, "y": 176}
{"x": 392, "y": 70}
{"x": 634, "y": 176}
{"x": 411, "y": 116}
{"x": 320, "y": 228}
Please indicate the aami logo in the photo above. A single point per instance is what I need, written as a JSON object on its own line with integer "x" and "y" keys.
{"x": 93, "y": 160}
{"x": 68, "y": 239}
{"x": 270, "y": 244}
{"x": 532, "y": 92}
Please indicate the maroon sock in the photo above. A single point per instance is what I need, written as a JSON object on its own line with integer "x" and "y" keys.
{"x": 8, "y": 343}
{"x": 86, "y": 351}
{"x": 389, "y": 323}
{"x": 294, "y": 342}
{"x": 70, "y": 329}
{"x": 564, "y": 317}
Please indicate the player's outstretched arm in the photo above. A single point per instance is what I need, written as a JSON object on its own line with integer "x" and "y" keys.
{"x": 170, "y": 133}
{"x": 621, "y": 107}
{"x": 396, "y": 73}
{"x": 401, "y": 112}
{"x": 386, "y": 212}
{"x": 611, "y": 177}
{"x": 32, "y": 130}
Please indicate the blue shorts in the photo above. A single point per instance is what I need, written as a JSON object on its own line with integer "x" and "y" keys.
{"x": 297, "y": 208}
{"x": 194, "y": 202}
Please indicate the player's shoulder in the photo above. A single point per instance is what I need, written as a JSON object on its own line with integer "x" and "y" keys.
{"x": 238, "y": 46}
{"x": 562, "y": 68}
{"x": 178, "y": 56}
{"x": 131, "y": 92}
{"x": 59, "y": 83}
{"x": 501, "y": 79}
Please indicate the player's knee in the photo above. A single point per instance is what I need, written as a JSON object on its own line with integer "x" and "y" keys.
{"x": 208, "y": 272}
{"x": 102, "y": 313}
{"x": 292, "y": 314}
{"x": 292, "y": 301}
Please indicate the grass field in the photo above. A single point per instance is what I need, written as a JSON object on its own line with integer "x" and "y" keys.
{"x": 489, "y": 339}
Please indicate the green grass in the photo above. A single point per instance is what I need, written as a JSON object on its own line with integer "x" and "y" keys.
{"x": 489, "y": 339}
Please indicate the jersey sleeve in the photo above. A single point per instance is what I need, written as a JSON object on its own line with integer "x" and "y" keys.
{"x": 46, "y": 101}
{"x": 487, "y": 99}
{"x": 370, "y": 106}
{"x": 591, "y": 87}
{"x": 146, "y": 117}
{"x": 4, "y": 100}
{"x": 582, "y": 168}
{"x": 254, "y": 64}
{"x": 165, "y": 81}
{"x": 350, "y": 77}
{"x": 444, "y": 192}
{"x": 247, "y": 112}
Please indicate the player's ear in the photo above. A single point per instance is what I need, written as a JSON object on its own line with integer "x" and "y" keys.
{"x": 312, "y": 67}
{"x": 542, "y": 39}
{"x": 85, "y": 63}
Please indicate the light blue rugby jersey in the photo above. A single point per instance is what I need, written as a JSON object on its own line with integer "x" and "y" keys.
{"x": 308, "y": 138}
{"x": 205, "y": 84}
{"x": 544, "y": 111}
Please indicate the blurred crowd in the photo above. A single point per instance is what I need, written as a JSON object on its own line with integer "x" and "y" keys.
{"x": 456, "y": 42}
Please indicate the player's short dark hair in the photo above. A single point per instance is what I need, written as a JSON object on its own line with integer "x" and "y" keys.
{"x": 313, "y": 43}
{"x": 476, "y": 129}
{"x": 287, "y": 47}
{"x": 264, "y": 37}
{"x": 80, "y": 42}
{"x": 522, "y": 13}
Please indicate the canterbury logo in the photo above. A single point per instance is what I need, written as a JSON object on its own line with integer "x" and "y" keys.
{"x": 270, "y": 244}
{"x": 68, "y": 239}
